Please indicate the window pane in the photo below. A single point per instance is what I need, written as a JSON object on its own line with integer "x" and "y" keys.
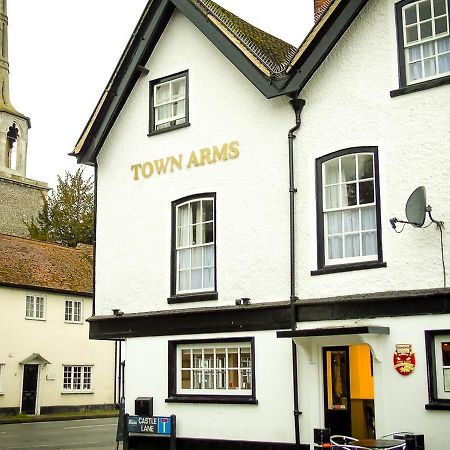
{"x": 184, "y": 260}
{"x": 440, "y": 25}
{"x": 185, "y": 379}
{"x": 412, "y": 34}
{"x": 368, "y": 218}
{"x": 351, "y": 245}
{"x": 178, "y": 88}
{"x": 366, "y": 192}
{"x": 197, "y": 257}
{"x": 369, "y": 243}
{"x": 445, "y": 353}
{"x": 335, "y": 247}
{"x": 163, "y": 112}
{"x": 232, "y": 357}
{"x": 430, "y": 67}
{"x": 348, "y": 164}
{"x": 208, "y": 358}
{"x": 196, "y": 279}
{"x": 415, "y": 53}
{"x": 183, "y": 237}
{"x": 245, "y": 357}
{"x": 195, "y": 212}
{"x": 209, "y": 379}
{"x": 334, "y": 222}
{"x": 220, "y": 357}
{"x": 332, "y": 199}
{"x": 77, "y": 312}
{"x": 365, "y": 166}
{"x": 351, "y": 220}
{"x": 439, "y": 7}
{"x": 183, "y": 215}
{"x": 446, "y": 380}
{"x": 410, "y": 15}
{"x": 444, "y": 63}
{"x": 208, "y": 278}
{"x": 197, "y": 234}
{"x": 221, "y": 382}
{"x": 184, "y": 280}
{"x": 208, "y": 233}
{"x": 197, "y": 358}
{"x": 233, "y": 379}
{"x": 208, "y": 256}
{"x": 426, "y": 30}
{"x": 415, "y": 71}
{"x": 179, "y": 108}
{"x": 246, "y": 379}
{"x": 207, "y": 210}
{"x": 425, "y": 10}
{"x": 186, "y": 358}
{"x": 349, "y": 194}
{"x": 443, "y": 45}
{"x": 428, "y": 49}
{"x": 332, "y": 171}
{"x": 162, "y": 93}
{"x": 197, "y": 375}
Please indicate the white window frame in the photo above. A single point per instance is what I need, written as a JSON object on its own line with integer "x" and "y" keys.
{"x": 35, "y": 307}
{"x": 69, "y": 311}
{"x": 442, "y": 373}
{"x": 325, "y": 211}
{"x": 171, "y": 121}
{"x": 2, "y": 370}
{"x": 191, "y": 246}
{"x": 70, "y": 381}
{"x": 421, "y": 42}
{"x": 243, "y": 372}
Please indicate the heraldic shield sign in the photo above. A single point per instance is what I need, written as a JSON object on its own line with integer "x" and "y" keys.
{"x": 404, "y": 359}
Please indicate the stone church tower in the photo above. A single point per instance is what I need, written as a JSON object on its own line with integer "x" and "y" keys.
{"x": 20, "y": 197}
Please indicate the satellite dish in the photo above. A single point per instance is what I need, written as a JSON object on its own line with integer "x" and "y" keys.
{"x": 416, "y": 207}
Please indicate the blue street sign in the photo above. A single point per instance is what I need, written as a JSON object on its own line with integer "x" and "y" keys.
{"x": 149, "y": 425}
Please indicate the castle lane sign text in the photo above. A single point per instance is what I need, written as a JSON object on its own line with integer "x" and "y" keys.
{"x": 196, "y": 158}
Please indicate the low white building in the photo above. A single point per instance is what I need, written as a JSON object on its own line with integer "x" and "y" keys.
{"x": 244, "y": 194}
{"x": 47, "y": 362}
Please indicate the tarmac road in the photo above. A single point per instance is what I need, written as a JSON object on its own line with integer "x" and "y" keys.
{"x": 87, "y": 434}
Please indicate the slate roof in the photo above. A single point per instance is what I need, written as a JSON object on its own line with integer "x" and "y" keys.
{"x": 272, "y": 52}
{"x": 46, "y": 266}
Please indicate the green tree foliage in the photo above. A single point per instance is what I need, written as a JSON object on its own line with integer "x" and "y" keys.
{"x": 67, "y": 215}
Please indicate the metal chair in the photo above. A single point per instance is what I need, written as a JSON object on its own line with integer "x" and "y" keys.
{"x": 339, "y": 441}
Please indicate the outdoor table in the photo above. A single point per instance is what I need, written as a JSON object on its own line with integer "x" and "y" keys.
{"x": 377, "y": 443}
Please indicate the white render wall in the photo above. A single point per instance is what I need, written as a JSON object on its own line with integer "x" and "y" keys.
{"x": 134, "y": 217}
{"x": 348, "y": 105}
{"x": 271, "y": 420}
{"x": 58, "y": 342}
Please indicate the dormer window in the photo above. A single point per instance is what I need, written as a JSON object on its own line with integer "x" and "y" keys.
{"x": 423, "y": 40}
{"x": 169, "y": 103}
{"x": 11, "y": 147}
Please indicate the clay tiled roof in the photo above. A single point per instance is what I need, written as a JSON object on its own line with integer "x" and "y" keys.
{"x": 319, "y": 12}
{"x": 44, "y": 265}
{"x": 272, "y": 53}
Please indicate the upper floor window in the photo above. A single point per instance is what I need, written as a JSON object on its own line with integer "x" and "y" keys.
{"x": 348, "y": 207}
{"x": 35, "y": 307}
{"x": 215, "y": 369}
{"x": 73, "y": 311}
{"x": 77, "y": 378}
{"x": 194, "y": 250}
{"x": 169, "y": 103}
{"x": 423, "y": 40}
{"x": 438, "y": 360}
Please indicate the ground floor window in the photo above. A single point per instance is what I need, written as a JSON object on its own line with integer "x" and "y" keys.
{"x": 77, "y": 378}
{"x": 213, "y": 369}
{"x": 438, "y": 360}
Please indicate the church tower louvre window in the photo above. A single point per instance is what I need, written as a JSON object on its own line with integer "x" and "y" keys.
{"x": 22, "y": 197}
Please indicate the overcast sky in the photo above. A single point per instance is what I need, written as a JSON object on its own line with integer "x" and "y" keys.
{"x": 62, "y": 54}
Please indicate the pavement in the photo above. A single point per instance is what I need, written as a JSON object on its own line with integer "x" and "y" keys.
{"x": 24, "y": 418}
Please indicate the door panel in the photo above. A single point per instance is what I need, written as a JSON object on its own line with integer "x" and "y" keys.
{"x": 29, "y": 390}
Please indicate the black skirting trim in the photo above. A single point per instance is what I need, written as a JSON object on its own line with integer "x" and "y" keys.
{"x": 162, "y": 443}
{"x": 10, "y": 411}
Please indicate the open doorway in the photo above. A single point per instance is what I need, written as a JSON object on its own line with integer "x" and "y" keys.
{"x": 349, "y": 390}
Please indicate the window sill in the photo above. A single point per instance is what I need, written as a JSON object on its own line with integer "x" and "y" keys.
{"x": 438, "y": 405}
{"x": 35, "y": 318}
{"x": 421, "y": 86}
{"x": 349, "y": 267}
{"x": 165, "y": 130}
{"x": 76, "y": 392}
{"x": 73, "y": 323}
{"x": 223, "y": 399}
{"x": 197, "y": 297}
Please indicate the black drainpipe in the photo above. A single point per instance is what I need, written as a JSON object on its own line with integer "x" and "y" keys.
{"x": 297, "y": 104}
